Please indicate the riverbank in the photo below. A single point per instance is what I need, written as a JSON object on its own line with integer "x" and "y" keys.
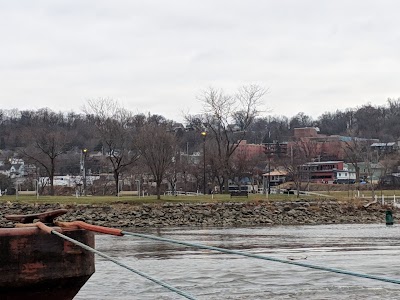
{"x": 208, "y": 214}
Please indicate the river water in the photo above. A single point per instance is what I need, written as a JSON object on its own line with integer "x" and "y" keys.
{"x": 372, "y": 249}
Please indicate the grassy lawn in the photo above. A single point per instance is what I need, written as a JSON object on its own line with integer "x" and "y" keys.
{"x": 147, "y": 199}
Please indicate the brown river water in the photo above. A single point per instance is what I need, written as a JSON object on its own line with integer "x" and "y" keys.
{"x": 373, "y": 249}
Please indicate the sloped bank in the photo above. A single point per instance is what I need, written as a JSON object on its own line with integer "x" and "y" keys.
{"x": 208, "y": 214}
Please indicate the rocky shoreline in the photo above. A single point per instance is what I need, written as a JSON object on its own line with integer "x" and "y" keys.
{"x": 230, "y": 214}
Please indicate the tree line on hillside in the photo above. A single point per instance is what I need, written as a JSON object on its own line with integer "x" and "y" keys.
{"x": 136, "y": 144}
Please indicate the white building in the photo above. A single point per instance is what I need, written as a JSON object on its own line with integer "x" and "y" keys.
{"x": 344, "y": 176}
{"x": 68, "y": 180}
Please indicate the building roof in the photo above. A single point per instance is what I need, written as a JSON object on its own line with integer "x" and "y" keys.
{"x": 391, "y": 144}
{"x": 275, "y": 173}
{"x": 324, "y": 162}
{"x": 349, "y": 139}
{"x": 348, "y": 171}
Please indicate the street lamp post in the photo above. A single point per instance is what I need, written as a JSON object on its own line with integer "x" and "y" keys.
{"x": 118, "y": 187}
{"x": 204, "y": 134}
{"x": 83, "y": 170}
{"x": 270, "y": 149}
{"x": 269, "y": 174}
{"x": 138, "y": 186}
{"x": 37, "y": 188}
{"x": 37, "y": 182}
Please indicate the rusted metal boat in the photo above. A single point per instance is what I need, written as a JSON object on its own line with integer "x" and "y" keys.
{"x": 36, "y": 265}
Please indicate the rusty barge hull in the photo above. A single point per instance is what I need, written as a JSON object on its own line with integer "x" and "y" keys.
{"x": 36, "y": 265}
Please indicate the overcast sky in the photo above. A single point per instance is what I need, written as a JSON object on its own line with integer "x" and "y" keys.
{"x": 156, "y": 56}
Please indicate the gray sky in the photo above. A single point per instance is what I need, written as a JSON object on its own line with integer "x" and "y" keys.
{"x": 157, "y": 56}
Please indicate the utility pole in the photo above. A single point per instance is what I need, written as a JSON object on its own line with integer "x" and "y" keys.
{"x": 269, "y": 151}
{"x": 272, "y": 149}
{"x": 204, "y": 134}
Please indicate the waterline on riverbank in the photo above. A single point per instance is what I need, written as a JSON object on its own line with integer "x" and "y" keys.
{"x": 223, "y": 214}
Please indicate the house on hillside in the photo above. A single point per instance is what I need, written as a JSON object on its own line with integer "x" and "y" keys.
{"x": 385, "y": 148}
{"x": 321, "y": 171}
{"x": 371, "y": 172}
{"x": 344, "y": 176}
{"x": 194, "y": 158}
{"x": 17, "y": 169}
{"x": 275, "y": 177}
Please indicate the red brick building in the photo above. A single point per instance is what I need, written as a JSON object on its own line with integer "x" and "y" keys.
{"x": 323, "y": 172}
{"x": 249, "y": 151}
{"x": 325, "y": 147}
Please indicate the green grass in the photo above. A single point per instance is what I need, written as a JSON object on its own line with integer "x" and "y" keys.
{"x": 146, "y": 199}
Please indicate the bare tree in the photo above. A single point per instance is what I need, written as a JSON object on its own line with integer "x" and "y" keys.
{"x": 358, "y": 151}
{"x": 227, "y": 118}
{"x": 293, "y": 163}
{"x": 355, "y": 150}
{"x": 157, "y": 148}
{"x": 309, "y": 151}
{"x": 172, "y": 171}
{"x": 46, "y": 145}
{"x": 244, "y": 166}
{"x": 188, "y": 170}
{"x": 389, "y": 164}
{"x": 214, "y": 169}
{"x": 114, "y": 126}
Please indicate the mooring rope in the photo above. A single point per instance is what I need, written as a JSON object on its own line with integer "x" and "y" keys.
{"x": 119, "y": 232}
{"x": 86, "y": 247}
{"x": 242, "y": 253}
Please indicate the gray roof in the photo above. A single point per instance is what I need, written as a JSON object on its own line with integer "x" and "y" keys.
{"x": 383, "y": 144}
